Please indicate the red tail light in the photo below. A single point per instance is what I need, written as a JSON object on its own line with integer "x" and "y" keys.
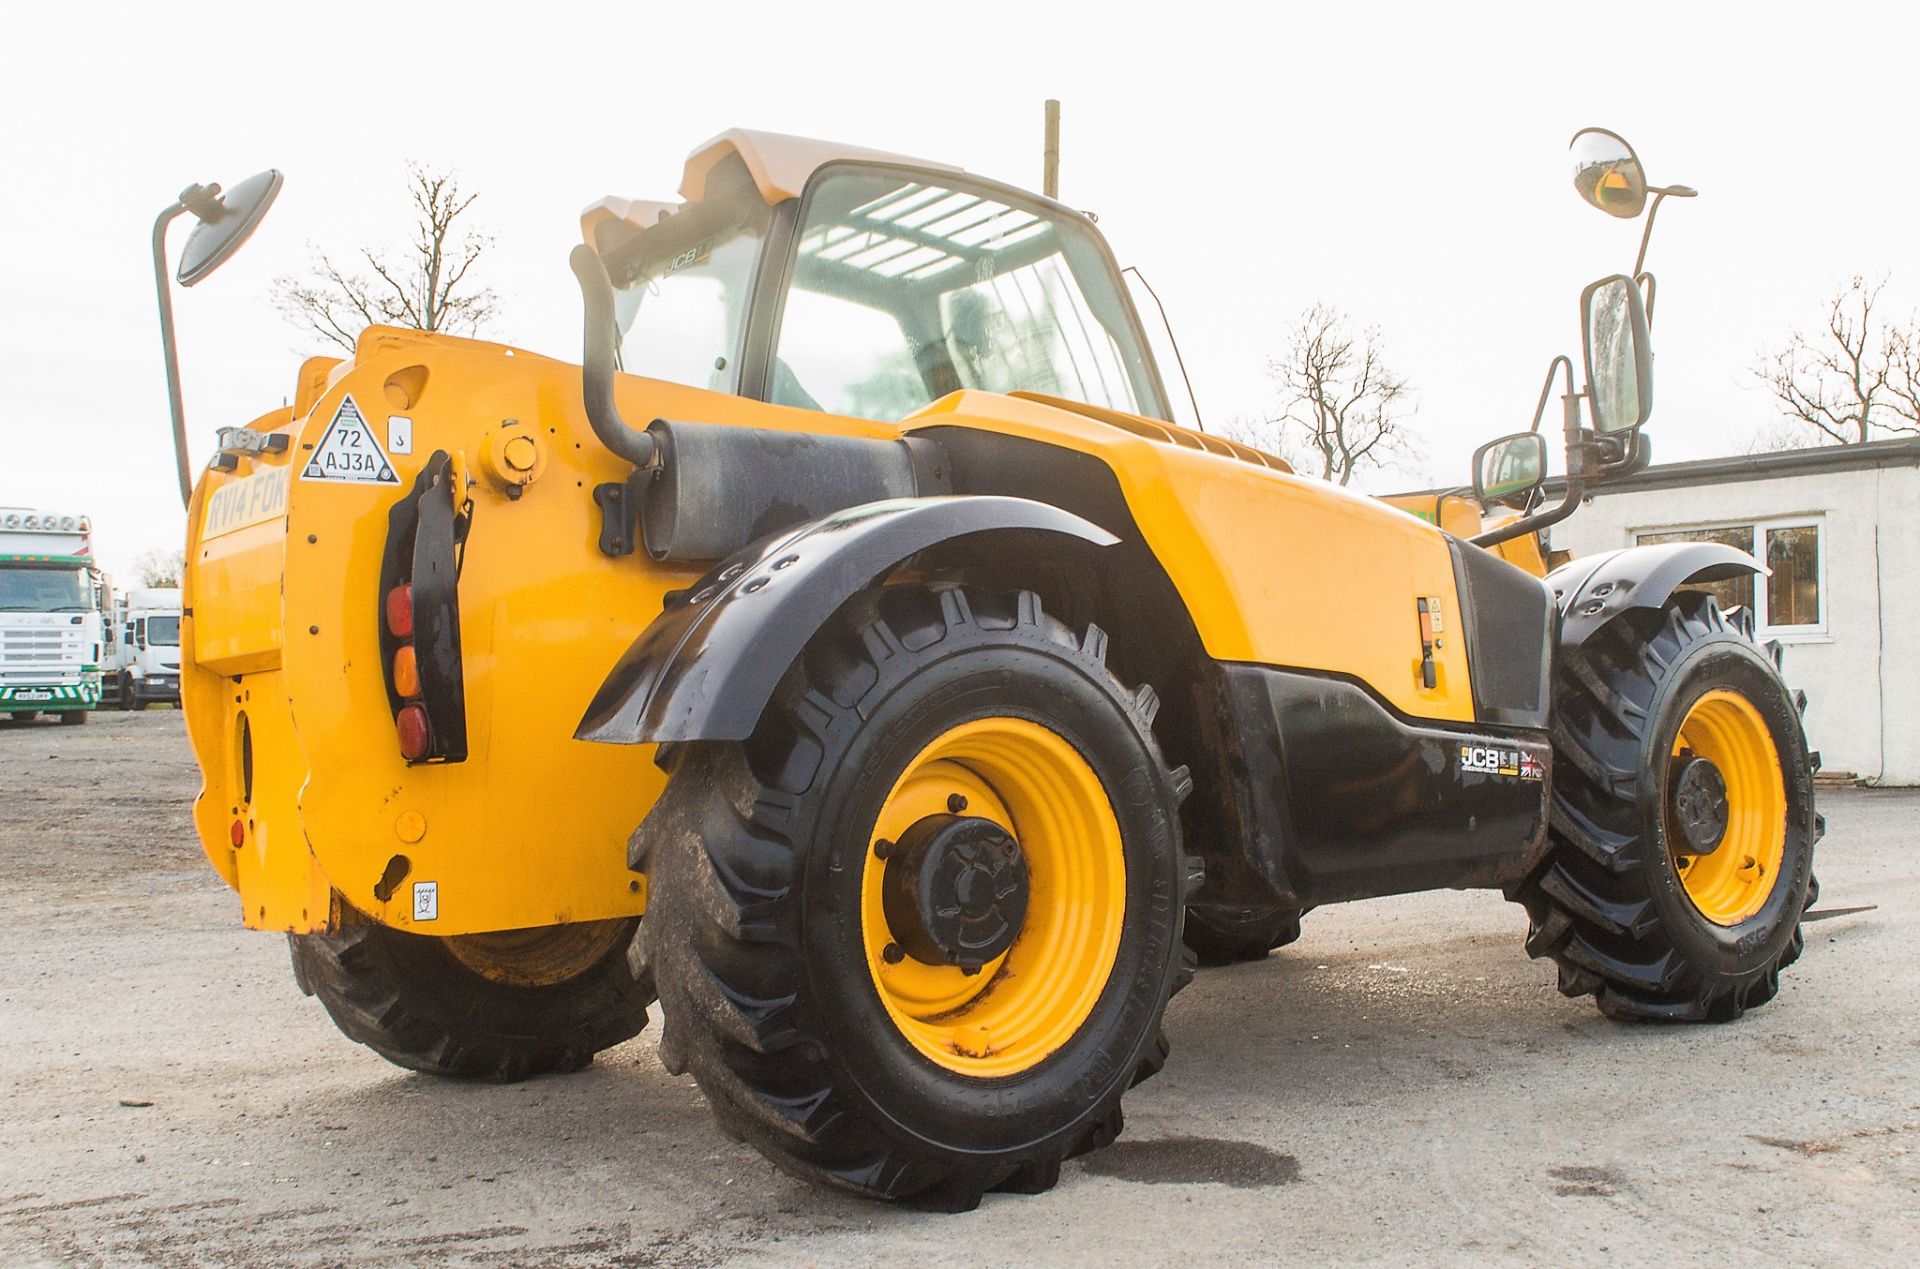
{"x": 415, "y": 739}
{"x": 400, "y": 612}
{"x": 238, "y": 834}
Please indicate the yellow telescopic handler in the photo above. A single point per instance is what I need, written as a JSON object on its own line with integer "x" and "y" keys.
{"x": 851, "y": 655}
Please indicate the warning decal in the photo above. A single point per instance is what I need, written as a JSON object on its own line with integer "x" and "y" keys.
{"x": 347, "y": 452}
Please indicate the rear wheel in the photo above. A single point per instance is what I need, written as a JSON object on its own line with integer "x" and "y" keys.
{"x": 915, "y": 937}
{"x": 74, "y": 717}
{"x": 1682, "y": 826}
{"x": 1226, "y": 935}
{"x": 501, "y": 1006}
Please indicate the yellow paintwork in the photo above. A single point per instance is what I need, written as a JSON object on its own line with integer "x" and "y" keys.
{"x": 1021, "y": 1008}
{"x": 531, "y": 829}
{"x": 1733, "y": 882}
{"x": 1462, "y": 517}
{"x": 1266, "y": 561}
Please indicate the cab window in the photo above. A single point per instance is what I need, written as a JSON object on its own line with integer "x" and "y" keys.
{"x": 905, "y": 288}
{"x": 681, "y": 289}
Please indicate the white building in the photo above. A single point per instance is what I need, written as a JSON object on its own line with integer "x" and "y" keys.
{"x": 1839, "y": 529}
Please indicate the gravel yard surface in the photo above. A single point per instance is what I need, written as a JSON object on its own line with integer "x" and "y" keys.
{"x": 1403, "y": 1084}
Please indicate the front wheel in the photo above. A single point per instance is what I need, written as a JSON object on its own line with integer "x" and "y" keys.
{"x": 74, "y": 717}
{"x": 1682, "y": 825}
{"x": 915, "y": 937}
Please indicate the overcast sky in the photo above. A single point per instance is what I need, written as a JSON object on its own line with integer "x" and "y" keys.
{"x": 1406, "y": 163}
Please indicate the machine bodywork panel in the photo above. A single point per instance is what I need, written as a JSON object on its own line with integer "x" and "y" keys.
{"x": 1338, "y": 799}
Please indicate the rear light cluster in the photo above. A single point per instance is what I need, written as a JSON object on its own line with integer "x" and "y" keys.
{"x": 410, "y": 723}
{"x": 419, "y": 606}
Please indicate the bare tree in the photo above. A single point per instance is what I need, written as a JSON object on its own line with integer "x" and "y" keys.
{"x": 161, "y": 567}
{"x": 1856, "y": 375}
{"x": 1343, "y": 409}
{"x": 427, "y": 287}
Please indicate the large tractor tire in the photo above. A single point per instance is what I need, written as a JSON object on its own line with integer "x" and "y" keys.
{"x": 1682, "y": 826}
{"x": 915, "y": 937}
{"x": 503, "y": 1007}
{"x": 1228, "y": 935}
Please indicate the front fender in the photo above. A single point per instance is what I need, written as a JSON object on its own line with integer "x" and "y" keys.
{"x": 707, "y": 665}
{"x": 1593, "y": 591}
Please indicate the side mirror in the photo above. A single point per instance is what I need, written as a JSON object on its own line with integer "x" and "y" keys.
{"x": 1511, "y": 465}
{"x": 1607, "y": 173}
{"x": 226, "y": 222}
{"x": 1619, "y": 354}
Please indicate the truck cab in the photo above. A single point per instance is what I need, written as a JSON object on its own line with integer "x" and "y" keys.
{"x": 142, "y": 648}
{"x": 49, "y": 615}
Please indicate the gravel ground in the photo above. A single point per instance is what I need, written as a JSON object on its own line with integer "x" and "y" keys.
{"x": 1401, "y": 1085}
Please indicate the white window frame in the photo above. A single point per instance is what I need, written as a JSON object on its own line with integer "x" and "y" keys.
{"x": 1817, "y": 632}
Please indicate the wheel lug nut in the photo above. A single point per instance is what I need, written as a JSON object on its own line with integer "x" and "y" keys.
{"x": 882, "y": 848}
{"x": 892, "y": 954}
{"x": 956, "y": 803}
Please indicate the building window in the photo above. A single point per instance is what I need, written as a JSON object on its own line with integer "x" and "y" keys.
{"x": 1790, "y": 599}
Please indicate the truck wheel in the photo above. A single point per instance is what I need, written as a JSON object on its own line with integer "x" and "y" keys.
{"x": 501, "y": 1006}
{"x": 1682, "y": 823}
{"x": 127, "y": 699}
{"x": 915, "y": 937}
{"x": 74, "y": 717}
{"x": 1226, "y": 935}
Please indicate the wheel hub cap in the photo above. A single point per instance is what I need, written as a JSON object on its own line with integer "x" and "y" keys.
{"x": 1700, "y": 804}
{"x": 956, "y": 891}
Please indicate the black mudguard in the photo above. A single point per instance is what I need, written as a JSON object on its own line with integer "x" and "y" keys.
{"x": 707, "y": 665}
{"x": 1593, "y": 590}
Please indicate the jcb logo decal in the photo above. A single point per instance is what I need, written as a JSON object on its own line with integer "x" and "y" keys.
{"x": 1504, "y": 762}
{"x": 245, "y": 502}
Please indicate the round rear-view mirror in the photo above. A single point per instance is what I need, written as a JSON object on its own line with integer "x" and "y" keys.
{"x": 226, "y": 221}
{"x": 1607, "y": 173}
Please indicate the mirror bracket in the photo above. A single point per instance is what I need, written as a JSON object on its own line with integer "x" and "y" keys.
{"x": 1660, "y": 194}
{"x": 167, "y": 348}
{"x": 1578, "y": 447}
{"x": 237, "y": 215}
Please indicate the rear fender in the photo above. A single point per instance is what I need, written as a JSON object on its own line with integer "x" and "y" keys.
{"x": 707, "y": 665}
{"x": 1591, "y": 592}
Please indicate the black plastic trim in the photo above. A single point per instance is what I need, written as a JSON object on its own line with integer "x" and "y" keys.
{"x": 707, "y": 665}
{"x": 1592, "y": 591}
{"x": 1507, "y": 617}
{"x": 1338, "y": 799}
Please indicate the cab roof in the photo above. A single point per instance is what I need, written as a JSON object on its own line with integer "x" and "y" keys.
{"x": 778, "y": 164}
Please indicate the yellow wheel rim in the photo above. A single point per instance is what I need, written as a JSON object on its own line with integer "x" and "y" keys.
{"x": 1733, "y": 882}
{"x": 1028, "y": 1002}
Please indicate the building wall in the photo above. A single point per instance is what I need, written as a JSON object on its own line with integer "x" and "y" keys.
{"x": 1862, "y": 676}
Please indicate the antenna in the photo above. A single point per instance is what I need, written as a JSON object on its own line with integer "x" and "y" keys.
{"x": 1050, "y": 157}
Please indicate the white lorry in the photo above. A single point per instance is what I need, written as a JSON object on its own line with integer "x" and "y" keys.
{"x": 143, "y": 648}
{"x": 50, "y": 631}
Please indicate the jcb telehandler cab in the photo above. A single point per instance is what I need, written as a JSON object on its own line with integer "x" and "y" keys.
{"x": 969, "y": 686}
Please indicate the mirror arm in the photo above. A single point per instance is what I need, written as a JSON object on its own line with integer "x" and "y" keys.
{"x": 596, "y": 361}
{"x": 1577, "y": 447}
{"x": 1562, "y": 362}
{"x": 169, "y": 351}
{"x": 1646, "y": 235}
{"x": 1649, "y": 287}
{"x": 1659, "y": 193}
